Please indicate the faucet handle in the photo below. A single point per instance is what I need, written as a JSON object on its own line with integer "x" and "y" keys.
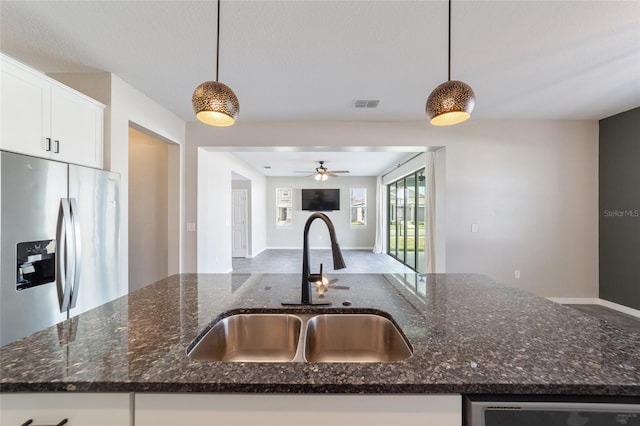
{"x": 315, "y": 277}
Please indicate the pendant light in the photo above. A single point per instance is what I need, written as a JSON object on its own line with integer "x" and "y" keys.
{"x": 452, "y": 101}
{"x": 214, "y": 103}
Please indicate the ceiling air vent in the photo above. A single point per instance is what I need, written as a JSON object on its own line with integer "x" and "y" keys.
{"x": 366, "y": 103}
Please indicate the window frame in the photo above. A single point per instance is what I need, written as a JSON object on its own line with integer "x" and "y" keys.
{"x": 283, "y": 203}
{"x": 364, "y": 208}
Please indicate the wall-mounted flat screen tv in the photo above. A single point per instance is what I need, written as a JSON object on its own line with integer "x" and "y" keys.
{"x": 320, "y": 199}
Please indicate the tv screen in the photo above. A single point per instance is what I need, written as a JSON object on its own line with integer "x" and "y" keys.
{"x": 320, "y": 199}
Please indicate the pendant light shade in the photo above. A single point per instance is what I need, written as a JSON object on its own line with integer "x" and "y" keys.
{"x": 452, "y": 101}
{"x": 214, "y": 103}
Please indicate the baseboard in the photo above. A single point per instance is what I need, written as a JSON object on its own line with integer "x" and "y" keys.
{"x": 319, "y": 248}
{"x": 256, "y": 254}
{"x": 596, "y": 301}
{"x": 575, "y": 300}
{"x": 621, "y": 308}
{"x": 357, "y": 248}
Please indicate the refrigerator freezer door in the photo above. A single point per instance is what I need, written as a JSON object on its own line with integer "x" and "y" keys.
{"x": 94, "y": 195}
{"x": 31, "y": 190}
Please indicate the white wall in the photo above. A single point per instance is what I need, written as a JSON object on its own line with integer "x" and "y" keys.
{"x": 349, "y": 237}
{"x": 531, "y": 186}
{"x": 214, "y": 175}
{"x": 130, "y": 106}
{"x": 127, "y": 107}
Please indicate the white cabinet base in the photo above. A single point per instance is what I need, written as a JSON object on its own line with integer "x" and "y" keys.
{"x": 81, "y": 409}
{"x": 296, "y": 410}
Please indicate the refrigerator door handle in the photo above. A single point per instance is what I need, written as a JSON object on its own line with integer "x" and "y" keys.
{"x": 65, "y": 254}
{"x": 75, "y": 220}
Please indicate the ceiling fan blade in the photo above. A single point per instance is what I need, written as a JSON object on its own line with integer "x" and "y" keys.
{"x": 298, "y": 171}
{"x": 340, "y": 287}
{"x": 338, "y": 171}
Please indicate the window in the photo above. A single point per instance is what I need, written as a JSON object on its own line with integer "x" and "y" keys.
{"x": 406, "y": 216}
{"x": 358, "y": 207}
{"x": 284, "y": 207}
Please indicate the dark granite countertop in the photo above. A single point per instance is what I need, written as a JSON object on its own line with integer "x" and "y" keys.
{"x": 469, "y": 335}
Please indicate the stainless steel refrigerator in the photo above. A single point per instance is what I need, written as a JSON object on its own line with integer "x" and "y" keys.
{"x": 60, "y": 244}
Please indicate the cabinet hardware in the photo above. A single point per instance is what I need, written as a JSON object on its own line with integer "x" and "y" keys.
{"x": 30, "y": 422}
{"x": 56, "y": 150}
{"x": 48, "y": 145}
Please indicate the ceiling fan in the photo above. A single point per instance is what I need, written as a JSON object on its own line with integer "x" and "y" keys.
{"x": 322, "y": 173}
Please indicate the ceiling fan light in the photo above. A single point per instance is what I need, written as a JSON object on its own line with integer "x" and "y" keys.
{"x": 214, "y": 103}
{"x": 450, "y": 103}
{"x": 318, "y": 176}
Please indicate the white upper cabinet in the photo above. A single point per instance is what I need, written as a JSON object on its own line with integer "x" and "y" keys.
{"x": 26, "y": 118}
{"x": 44, "y": 118}
{"x": 77, "y": 128}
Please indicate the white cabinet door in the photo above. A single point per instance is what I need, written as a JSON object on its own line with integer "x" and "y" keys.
{"x": 296, "y": 410}
{"x": 81, "y": 409}
{"x": 76, "y": 128}
{"x": 24, "y": 110}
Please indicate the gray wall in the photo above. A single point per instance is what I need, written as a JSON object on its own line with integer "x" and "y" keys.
{"x": 148, "y": 200}
{"x": 348, "y": 237}
{"x": 620, "y": 208}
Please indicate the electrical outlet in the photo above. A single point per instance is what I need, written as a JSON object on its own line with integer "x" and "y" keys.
{"x": 474, "y": 227}
{"x": 516, "y": 273}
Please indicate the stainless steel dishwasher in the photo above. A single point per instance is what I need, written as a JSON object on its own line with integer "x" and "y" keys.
{"x": 509, "y": 411}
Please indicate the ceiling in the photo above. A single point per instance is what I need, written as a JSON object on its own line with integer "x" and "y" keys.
{"x": 363, "y": 161}
{"x": 309, "y": 60}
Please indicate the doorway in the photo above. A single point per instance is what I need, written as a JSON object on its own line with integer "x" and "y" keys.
{"x": 153, "y": 208}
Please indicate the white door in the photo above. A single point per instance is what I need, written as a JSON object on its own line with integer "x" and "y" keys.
{"x": 239, "y": 223}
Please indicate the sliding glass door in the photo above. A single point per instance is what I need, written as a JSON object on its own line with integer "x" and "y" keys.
{"x": 406, "y": 216}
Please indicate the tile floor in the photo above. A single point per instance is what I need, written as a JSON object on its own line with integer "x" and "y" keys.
{"x": 290, "y": 262}
{"x": 622, "y": 320}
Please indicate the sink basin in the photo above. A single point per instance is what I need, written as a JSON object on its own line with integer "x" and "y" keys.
{"x": 284, "y": 337}
{"x": 354, "y": 338}
{"x": 250, "y": 338}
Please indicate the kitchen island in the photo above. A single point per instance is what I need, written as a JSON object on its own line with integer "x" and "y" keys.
{"x": 469, "y": 335}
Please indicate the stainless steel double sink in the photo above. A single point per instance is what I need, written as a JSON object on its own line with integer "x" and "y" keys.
{"x": 293, "y": 337}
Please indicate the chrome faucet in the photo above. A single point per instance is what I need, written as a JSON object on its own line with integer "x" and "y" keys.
{"x": 307, "y": 277}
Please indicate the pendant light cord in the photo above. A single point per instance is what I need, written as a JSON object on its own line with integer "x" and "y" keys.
{"x": 218, "y": 42}
{"x": 449, "y": 54}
